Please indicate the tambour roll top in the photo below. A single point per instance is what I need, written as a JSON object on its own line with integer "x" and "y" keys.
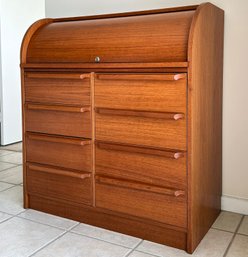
{"x": 114, "y": 39}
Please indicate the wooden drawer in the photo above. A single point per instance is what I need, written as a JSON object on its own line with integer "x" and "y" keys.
{"x": 144, "y": 92}
{"x": 147, "y": 165}
{"x": 155, "y": 203}
{"x": 158, "y": 129}
{"x": 70, "y": 153}
{"x": 61, "y": 120}
{"x": 57, "y": 88}
{"x": 59, "y": 183}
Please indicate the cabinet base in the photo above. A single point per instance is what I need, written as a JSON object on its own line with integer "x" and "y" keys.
{"x": 152, "y": 231}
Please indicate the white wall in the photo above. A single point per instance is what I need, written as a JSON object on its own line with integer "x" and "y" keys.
{"x": 235, "y": 105}
{"x": 16, "y": 16}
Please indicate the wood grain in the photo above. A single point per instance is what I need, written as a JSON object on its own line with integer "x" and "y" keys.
{"x": 29, "y": 34}
{"x": 62, "y": 152}
{"x": 205, "y": 121}
{"x": 141, "y": 131}
{"x": 128, "y": 184}
{"x": 144, "y": 92}
{"x": 60, "y": 42}
{"x": 52, "y": 182}
{"x": 57, "y": 88}
{"x": 152, "y": 166}
{"x": 47, "y": 120}
{"x": 130, "y": 201}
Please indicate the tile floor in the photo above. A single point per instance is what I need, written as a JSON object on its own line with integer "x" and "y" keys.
{"x": 25, "y": 233}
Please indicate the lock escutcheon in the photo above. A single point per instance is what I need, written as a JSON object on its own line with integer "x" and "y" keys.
{"x": 97, "y": 59}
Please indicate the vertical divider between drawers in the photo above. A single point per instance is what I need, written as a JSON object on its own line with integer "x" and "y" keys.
{"x": 92, "y": 94}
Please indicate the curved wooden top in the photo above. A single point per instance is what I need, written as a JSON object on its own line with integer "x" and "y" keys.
{"x": 139, "y": 37}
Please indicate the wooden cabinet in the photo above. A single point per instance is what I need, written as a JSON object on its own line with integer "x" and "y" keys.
{"x": 122, "y": 121}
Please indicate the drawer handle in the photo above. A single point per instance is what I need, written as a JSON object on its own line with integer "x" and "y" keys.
{"x": 72, "y": 141}
{"x": 139, "y": 186}
{"x": 137, "y": 149}
{"x": 142, "y": 77}
{"x": 34, "y": 75}
{"x": 179, "y": 76}
{"x": 144, "y": 114}
{"x": 179, "y": 193}
{"x": 59, "y": 172}
{"x": 57, "y": 108}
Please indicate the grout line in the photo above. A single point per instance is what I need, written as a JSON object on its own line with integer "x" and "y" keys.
{"x": 235, "y": 233}
{"x": 7, "y": 188}
{"x": 132, "y": 250}
{"x": 47, "y": 244}
{"x": 70, "y": 231}
{"x": 13, "y": 185}
{"x": 241, "y": 234}
{"x": 16, "y": 165}
{"x": 102, "y": 240}
{"x": 2, "y": 155}
{"x": 223, "y": 230}
{"x": 152, "y": 254}
{"x": 49, "y": 225}
{"x": 53, "y": 240}
{"x": 11, "y": 216}
{"x": 10, "y": 183}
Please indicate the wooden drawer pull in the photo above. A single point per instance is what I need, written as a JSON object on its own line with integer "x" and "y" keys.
{"x": 56, "y": 76}
{"x": 144, "y": 114}
{"x": 142, "y": 77}
{"x": 179, "y": 193}
{"x": 179, "y": 76}
{"x": 138, "y": 186}
{"x": 59, "y": 172}
{"x": 57, "y": 108}
{"x": 72, "y": 141}
{"x": 142, "y": 150}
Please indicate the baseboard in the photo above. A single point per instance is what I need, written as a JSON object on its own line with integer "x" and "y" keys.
{"x": 234, "y": 204}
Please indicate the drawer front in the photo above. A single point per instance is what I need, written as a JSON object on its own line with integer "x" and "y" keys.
{"x": 139, "y": 200}
{"x": 67, "y": 121}
{"x": 161, "y": 92}
{"x": 58, "y": 183}
{"x": 69, "y": 153}
{"x": 72, "y": 89}
{"x": 141, "y": 128}
{"x": 157, "y": 167}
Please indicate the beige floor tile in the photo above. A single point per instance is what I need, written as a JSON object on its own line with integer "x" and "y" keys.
{"x": 160, "y": 250}
{"x": 20, "y": 238}
{"x": 11, "y": 200}
{"x": 4, "y": 152}
{"x": 140, "y": 254}
{"x": 244, "y": 226}
{"x": 239, "y": 247}
{"x": 5, "y": 165}
{"x": 214, "y": 244}
{"x": 12, "y": 175}
{"x": 4, "y": 216}
{"x": 4, "y": 186}
{"x": 73, "y": 245}
{"x": 15, "y": 158}
{"x": 13, "y": 147}
{"x": 228, "y": 221}
{"x": 48, "y": 219}
{"x": 107, "y": 235}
